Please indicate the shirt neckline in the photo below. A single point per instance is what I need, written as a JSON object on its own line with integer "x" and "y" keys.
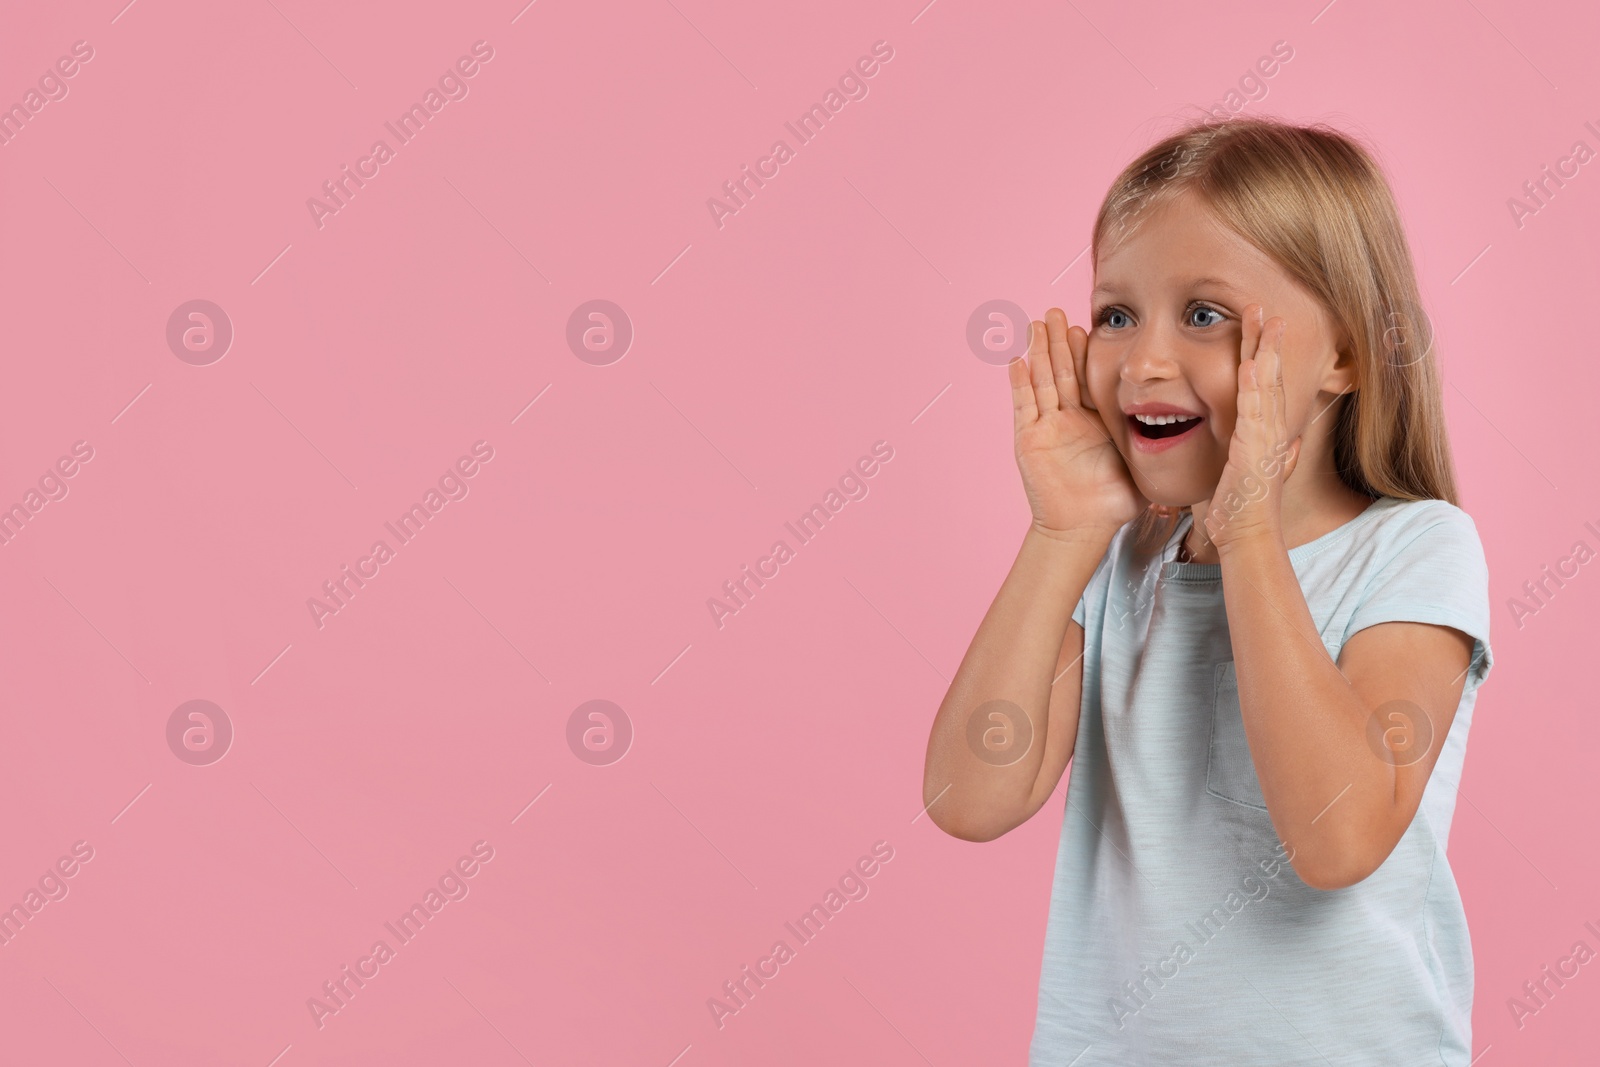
{"x": 1172, "y": 570}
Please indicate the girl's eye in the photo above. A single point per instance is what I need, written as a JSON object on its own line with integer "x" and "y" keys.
{"x": 1105, "y": 314}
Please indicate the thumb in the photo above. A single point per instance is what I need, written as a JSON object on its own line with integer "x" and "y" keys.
{"x": 1294, "y": 458}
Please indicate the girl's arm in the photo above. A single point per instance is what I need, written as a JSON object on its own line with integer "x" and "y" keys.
{"x": 1340, "y": 799}
{"x": 1333, "y": 743}
{"x": 1006, "y": 727}
{"x": 1022, "y": 678}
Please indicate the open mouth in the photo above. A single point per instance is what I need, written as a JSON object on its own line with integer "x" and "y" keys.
{"x": 1162, "y": 430}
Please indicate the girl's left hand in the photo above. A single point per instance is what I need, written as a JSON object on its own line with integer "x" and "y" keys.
{"x": 1248, "y": 499}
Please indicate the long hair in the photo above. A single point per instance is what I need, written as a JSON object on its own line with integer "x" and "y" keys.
{"x": 1314, "y": 201}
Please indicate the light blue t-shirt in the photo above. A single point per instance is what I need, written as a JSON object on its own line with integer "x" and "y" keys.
{"x": 1178, "y": 932}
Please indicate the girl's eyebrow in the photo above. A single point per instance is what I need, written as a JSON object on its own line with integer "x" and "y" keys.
{"x": 1192, "y": 283}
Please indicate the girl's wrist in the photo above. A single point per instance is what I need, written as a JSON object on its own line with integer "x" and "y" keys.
{"x": 1073, "y": 536}
{"x": 1246, "y": 542}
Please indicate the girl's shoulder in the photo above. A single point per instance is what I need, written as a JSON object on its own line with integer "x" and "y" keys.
{"x": 1429, "y": 509}
{"x": 1396, "y": 523}
{"x": 1416, "y": 561}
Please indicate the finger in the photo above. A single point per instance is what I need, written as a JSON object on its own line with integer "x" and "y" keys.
{"x": 1248, "y": 406}
{"x": 1274, "y": 398}
{"x": 1076, "y": 392}
{"x": 1062, "y": 366}
{"x": 1078, "y": 342}
{"x": 1251, "y": 377}
{"x": 1251, "y": 324}
{"x": 1024, "y": 408}
{"x": 1280, "y": 395}
{"x": 1044, "y": 384}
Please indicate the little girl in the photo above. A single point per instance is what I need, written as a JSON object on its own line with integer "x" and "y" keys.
{"x": 1240, "y": 476}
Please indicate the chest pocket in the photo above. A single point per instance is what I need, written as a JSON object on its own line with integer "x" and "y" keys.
{"x": 1230, "y": 772}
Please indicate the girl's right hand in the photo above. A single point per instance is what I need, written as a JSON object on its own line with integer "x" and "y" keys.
{"x": 1074, "y": 476}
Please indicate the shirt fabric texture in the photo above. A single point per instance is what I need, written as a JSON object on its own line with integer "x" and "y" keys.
{"x": 1178, "y": 932}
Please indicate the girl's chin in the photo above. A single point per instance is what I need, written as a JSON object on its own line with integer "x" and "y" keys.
{"x": 1173, "y": 501}
{"x": 1185, "y": 490}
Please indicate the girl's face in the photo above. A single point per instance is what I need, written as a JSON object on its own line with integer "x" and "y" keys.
{"x": 1165, "y": 332}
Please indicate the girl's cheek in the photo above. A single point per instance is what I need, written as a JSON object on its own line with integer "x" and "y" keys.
{"x": 1100, "y": 376}
{"x": 1100, "y": 388}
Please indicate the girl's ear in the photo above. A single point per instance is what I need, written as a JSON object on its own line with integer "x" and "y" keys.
{"x": 1344, "y": 375}
{"x": 1344, "y": 351}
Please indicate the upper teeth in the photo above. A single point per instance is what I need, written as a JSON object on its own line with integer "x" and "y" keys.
{"x": 1162, "y": 420}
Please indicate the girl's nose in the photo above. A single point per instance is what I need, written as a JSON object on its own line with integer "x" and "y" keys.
{"x": 1151, "y": 357}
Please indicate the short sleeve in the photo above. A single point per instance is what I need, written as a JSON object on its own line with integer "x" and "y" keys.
{"x": 1095, "y": 591}
{"x": 1438, "y": 576}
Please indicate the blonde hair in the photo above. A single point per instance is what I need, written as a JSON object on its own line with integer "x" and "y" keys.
{"x": 1313, "y": 200}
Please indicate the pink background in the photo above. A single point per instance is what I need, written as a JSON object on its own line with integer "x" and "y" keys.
{"x": 769, "y": 354}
